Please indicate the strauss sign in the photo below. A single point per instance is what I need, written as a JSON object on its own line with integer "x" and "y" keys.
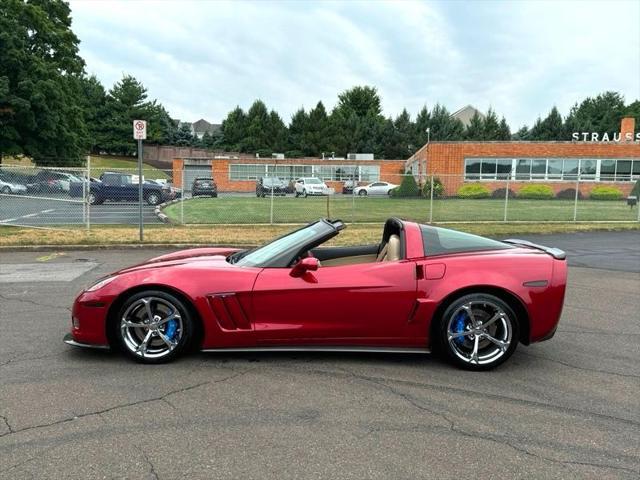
{"x": 597, "y": 137}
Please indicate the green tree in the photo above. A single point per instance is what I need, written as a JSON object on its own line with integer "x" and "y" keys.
{"x": 600, "y": 114}
{"x": 362, "y": 101}
{"x": 93, "y": 100}
{"x": 126, "y": 102}
{"x": 522, "y": 134}
{"x": 423, "y": 121}
{"x": 633, "y": 110}
{"x": 183, "y": 136}
{"x": 40, "y": 109}
{"x": 504, "y": 132}
{"x": 491, "y": 126}
{"x": 551, "y": 128}
{"x": 475, "y": 129}
{"x": 233, "y": 130}
{"x": 276, "y": 133}
{"x": 316, "y": 137}
{"x": 257, "y": 133}
{"x": 298, "y": 131}
{"x": 443, "y": 126}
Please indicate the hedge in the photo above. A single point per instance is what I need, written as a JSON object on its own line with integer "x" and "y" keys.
{"x": 501, "y": 192}
{"x": 569, "y": 194}
{"x": 408, "y": 187}
{"x": 536, "y": 192}
{"x": 474, "y": 190}
{"x": 604, "y": 192}
{"x": 438, "y": 188}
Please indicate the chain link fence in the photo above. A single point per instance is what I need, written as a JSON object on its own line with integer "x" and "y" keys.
{"x": 97, "y": 195}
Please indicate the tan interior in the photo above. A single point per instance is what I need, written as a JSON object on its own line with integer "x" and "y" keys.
{"x": 391, "y": 251}
{"x": 349, "y": 260}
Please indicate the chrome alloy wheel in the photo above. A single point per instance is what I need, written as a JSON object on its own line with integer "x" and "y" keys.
{"x": 479, "y": 332}
{"x": 151, "y": 327}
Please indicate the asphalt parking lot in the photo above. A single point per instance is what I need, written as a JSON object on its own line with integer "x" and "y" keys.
{"x": 60, "y": 209}
{"x": 566, "y": 408}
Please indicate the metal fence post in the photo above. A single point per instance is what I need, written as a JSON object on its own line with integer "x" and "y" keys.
{"x": 271, "y": 203}
{"x": 431, "y": 201}
{"x": 575, "y": 200}
{"x": 506, "y": 199}
{"x": 182, "y": 195}
{"x": 89, "y": 194}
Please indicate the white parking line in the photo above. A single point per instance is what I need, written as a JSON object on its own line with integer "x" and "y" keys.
{"x": 28, "y": 215}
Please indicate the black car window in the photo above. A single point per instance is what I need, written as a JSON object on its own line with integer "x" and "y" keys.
{"x": 438, "y": 241}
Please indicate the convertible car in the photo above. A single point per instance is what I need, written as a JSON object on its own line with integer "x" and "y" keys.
{"x": 422, "y": 288}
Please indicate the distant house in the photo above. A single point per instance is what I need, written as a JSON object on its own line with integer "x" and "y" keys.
{"x": 466, "y": 114}
{"x": 199, "y": 128}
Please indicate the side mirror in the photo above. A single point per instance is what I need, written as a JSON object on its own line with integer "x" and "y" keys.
{"x": 307, "y": 264}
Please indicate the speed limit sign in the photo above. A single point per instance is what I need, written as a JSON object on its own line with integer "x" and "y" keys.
{"x": 139, "y": 129}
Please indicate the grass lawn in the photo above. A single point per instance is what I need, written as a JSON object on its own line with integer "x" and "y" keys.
{"x": 248, "y": 210}
{"x": 251, "y": 235}
{"x": 99, "y": 164}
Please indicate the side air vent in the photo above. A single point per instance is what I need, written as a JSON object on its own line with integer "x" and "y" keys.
{"x": 228, "y": 311}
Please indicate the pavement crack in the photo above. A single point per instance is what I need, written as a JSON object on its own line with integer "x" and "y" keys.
{"x": 6, "y": 422}
{"x": 499, "y": 439}
{"x": 586, "y": 369}
{"x": 152, "y": 472}
{"x": 33, "y": 302}
{"x": 161, "y": 398}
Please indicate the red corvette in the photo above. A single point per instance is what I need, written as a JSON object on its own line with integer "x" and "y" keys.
{"x": 421, "y": 288}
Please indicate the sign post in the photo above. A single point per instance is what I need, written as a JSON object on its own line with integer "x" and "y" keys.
{"x": 140, "y": 133}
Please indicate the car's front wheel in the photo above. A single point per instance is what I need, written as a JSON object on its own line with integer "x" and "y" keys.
{"x": 362, "y": 193}
{"x": 478, "y": 332}
{"x": 153, "y": 327}
{"x": 6, "y": 190}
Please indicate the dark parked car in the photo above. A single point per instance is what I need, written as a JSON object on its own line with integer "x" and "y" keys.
{"x": 204, "y": 186}
{"x": 266, "y": 185}
{"x": 121, "y": 186}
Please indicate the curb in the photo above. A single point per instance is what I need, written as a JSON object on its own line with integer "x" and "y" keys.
{"x": 163, "y": 217}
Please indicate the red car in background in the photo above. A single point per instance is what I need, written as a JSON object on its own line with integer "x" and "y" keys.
{"x": 421, "y": 288}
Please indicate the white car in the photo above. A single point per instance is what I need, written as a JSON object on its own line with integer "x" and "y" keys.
{"x": 375, "y": 188}
{"x": 8, "y": 187}
{"x": 310, "y": 186}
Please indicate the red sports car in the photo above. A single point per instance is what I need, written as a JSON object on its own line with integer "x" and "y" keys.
{"x": 421, "y": 288}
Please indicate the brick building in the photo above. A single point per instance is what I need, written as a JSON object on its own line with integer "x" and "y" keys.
{"x": 558, "y": 164}
{"x": 239, "y": 174}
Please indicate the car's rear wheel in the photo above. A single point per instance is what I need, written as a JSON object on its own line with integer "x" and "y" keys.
{"x": 153, "y": 327}
{"x": 304, "y": 193}
{"x": 478, "y": 332}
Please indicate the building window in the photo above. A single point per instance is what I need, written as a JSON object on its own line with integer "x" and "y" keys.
{"x": 552, "y": 169}
{"x": 244, "y": 172}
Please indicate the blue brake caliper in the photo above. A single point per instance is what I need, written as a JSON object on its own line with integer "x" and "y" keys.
{"x": 458, "y": 326}
{"x": 171, "y": 329}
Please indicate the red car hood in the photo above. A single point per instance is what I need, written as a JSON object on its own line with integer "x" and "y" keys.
{"x": 211, "y": 254}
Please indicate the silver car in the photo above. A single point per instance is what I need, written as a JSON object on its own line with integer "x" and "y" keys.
{"x": 375, "y": 188}
{"x": 9, "y": 187}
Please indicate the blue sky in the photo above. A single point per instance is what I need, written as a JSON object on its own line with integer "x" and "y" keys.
{"x": 202, "y": 58}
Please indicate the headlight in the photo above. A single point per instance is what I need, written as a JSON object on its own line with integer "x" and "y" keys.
{"x": 100, "y": 284}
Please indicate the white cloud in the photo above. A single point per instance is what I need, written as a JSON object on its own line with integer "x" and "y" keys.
{"x": 201, "y": 59}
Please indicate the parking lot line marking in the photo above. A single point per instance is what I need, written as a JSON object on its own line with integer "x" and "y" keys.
{"x": 29, "y": 215}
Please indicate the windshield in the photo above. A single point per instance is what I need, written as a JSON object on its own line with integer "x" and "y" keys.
{"x": 271, "y": 181}
{"x": 293, "y": 241}
{"x": 314, "y": 181}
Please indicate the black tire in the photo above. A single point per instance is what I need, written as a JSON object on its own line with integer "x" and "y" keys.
{"x": 215, "y": 195}
{"x": 297, "y": 194}
{"x": 125, "y": 341}
{"x": 153, "y": 198}
{"x": 94, "y": 199}
{"x": 362, "y": 193}
{"x": 457, "y": 321}
{"x": 304, "y": 193}
{"x": 6, "y": 189}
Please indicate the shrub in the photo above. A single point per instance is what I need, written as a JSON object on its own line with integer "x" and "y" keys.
{"x": 474, "y": 190}
{"x": 569, "y": 194}
{"x": 408, "y": 187}
{"x": 500, "y": 193}
{"x": 604, "y": 192}
{"x": 536, "y": 192}
{"x": 438, "y": 188}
